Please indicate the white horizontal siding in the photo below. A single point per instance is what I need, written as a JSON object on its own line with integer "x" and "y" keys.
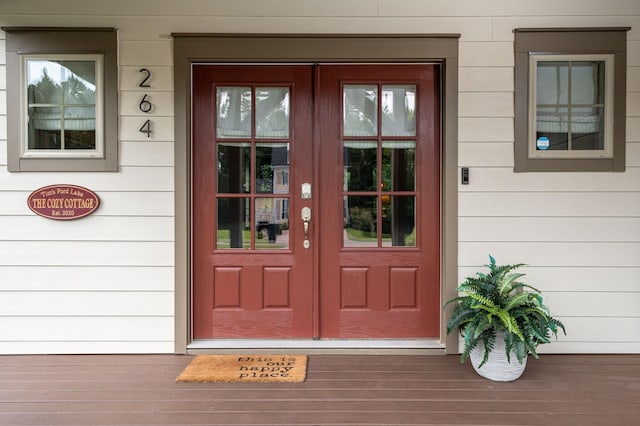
{"x": 127, "y": 179}
{"x": 86, "y": 334}
{"x": 633, "y": 129}
{"x": 86, "y": 253}
{"x": 610, "y": 305}
{"x": 486, "y": 79}
{"x": 485, "y": 129}
{"x": 92, "y": 228}
{"x": 3, "y": 150}
{"x": 87, "y": 279}
{"x": 549, "y": 204}
{"x": 3, "y": 77}
{"x": 600, "y": 330}
{"x": 554, "y": 254}
{"x": 138, "y": 153}
{"x": 497, "y": 8}
{"x": 553, "y": 229}
{"x": 85, "y": 304}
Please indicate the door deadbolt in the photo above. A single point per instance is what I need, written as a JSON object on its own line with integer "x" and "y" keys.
{"x": 305, "y": 191}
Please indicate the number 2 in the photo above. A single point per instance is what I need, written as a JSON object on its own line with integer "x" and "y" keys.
{"x": 144, "y": 83}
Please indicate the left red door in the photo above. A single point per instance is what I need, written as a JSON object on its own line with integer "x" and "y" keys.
{"x": 252, "y": 135}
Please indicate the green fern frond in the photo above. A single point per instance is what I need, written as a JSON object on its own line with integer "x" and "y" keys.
{"x": 506, "y": 284}
{"x": 520, "y": 299}
{"x": 458, "y": 318}
{"x": 480, "y": 298}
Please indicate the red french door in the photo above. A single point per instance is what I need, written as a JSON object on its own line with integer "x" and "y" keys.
{"x": 380, "y": 251}
{"x": 316, "y": 201}
{"x": 252, "y": 277}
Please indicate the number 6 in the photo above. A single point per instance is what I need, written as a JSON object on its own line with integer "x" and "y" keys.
{"x": 145, "y": 105}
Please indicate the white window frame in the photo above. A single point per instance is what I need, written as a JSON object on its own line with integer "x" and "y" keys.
{"x": 607, "y": 152}
{"x": 98, "y": 151}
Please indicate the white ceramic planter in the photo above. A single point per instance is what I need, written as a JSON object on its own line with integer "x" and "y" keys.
{"x": 497, "y": 367}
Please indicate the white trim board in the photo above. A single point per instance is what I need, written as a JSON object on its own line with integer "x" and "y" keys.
{"x": 323, "y": 346}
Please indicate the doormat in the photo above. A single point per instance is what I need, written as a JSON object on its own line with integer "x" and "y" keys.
{"x": 246, "y": 369}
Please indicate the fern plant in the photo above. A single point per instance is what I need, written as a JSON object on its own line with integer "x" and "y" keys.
{"x": 499, "y": 302}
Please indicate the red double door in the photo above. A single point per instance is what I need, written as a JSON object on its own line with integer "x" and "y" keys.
{"x": 316, "y": 201}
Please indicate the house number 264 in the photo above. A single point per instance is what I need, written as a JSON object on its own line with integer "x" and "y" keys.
{"x": 145, "y": 105}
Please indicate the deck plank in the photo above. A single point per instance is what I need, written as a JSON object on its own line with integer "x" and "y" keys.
{"x": 339, "y": 389}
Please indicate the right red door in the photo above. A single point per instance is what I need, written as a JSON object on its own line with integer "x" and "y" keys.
{"x": 378, "y": 163}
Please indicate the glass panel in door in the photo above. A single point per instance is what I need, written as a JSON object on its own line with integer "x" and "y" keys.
{"x": 379, "y": 173}
{"x": 253, "y": 167}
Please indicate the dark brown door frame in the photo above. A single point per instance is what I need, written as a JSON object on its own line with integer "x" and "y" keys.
{"x": 277, "y": 48}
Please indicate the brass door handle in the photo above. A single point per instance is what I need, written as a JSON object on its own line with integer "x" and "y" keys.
{"x": 305, "y": 214}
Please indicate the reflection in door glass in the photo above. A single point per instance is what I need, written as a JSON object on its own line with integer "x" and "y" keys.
{"x": 233, "y": 112}
{"x": 233, "y": 224}
{"x": 398, "y": 165}
{"x": 234, "y": 161}
{"x": 398, "y": 110}
{"x": 272, "y": 168}
{"x": 360, "y": 110}
{"x": 272, "y": 223}
{"x": 360, "y": 165}
{"x": 398, "y": 221}
{"x": 360, "y": 221}
{"x": 272, "y": 112}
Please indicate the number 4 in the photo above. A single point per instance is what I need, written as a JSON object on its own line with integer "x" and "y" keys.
{"x": 146, "y": 128}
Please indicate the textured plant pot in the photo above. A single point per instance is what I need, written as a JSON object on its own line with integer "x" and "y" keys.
{"x": 497, "y": 367}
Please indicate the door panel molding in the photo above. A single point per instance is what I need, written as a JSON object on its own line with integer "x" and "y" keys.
{"x": 190, "y": 49}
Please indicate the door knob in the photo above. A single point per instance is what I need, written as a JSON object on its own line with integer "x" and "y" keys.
{"x": 305, "y": 214}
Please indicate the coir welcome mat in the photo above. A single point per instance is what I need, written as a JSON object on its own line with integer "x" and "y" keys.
{"x": 246, "y": 368}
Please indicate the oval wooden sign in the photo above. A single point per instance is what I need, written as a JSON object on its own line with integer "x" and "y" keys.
{"x": 63, "y": 202}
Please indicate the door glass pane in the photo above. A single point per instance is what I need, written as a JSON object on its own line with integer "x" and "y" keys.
{"x": 234, "y": 225}
{"x": 360, "y": 110}
{"x": 272, "y": 164}
{"x": 272, "y": 223}
{"x": 360, "y": 221}
{"x": 233, "y": 112}
{"x": 398, "y": 221}
{"x": 360, "y": 165}
{"x": 272, "y": 112}
{"x": 234, "y": 161}
{"x": 398, "y": 110}
{"x": 398, "y": 165}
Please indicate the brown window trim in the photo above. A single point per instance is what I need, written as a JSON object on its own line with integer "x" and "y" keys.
{"x": 566, "y": 41}
{"x": 49, "y": 40}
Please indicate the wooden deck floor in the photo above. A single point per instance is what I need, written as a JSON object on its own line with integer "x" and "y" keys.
{"x": 339, "y": 390}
